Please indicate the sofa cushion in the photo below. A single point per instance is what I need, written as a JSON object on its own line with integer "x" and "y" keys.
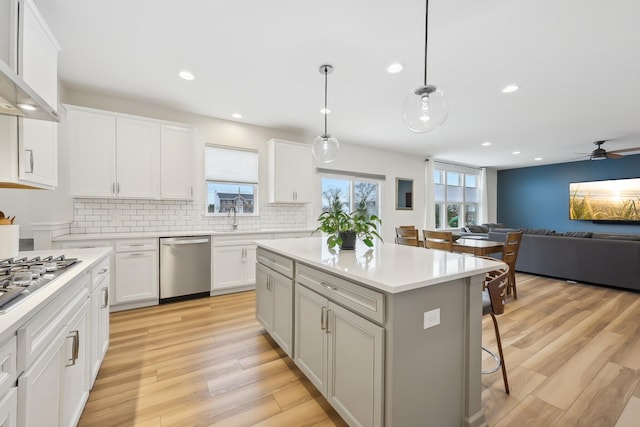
{"x": 585, "y": 234}
{"x": 627, "y": 237}
{"x": 493, "y": 225}
{"x": 538, "y": 231}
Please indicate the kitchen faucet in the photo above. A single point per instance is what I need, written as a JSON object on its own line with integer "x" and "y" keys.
{"x": 235, "y": 222}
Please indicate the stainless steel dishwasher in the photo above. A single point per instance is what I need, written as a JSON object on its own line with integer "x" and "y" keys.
{"x": 185, "y": 267}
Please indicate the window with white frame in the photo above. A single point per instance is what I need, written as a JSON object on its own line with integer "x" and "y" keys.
{"x": 353, "y": 193}
{"x": 456, "y": 196}
{"x": 231, "y": 176}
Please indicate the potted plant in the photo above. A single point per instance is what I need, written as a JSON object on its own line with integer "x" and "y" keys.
{"x": 343, "y": 228}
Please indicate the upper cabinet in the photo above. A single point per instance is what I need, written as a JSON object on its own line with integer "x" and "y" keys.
{"x": 290, "y": 172}
{"x": 115, "y": 155}
{"x": 29, "y": 147}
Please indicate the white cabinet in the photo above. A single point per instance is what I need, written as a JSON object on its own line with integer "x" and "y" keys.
{"x": 100, "y": 278}
{"x": 177, "y": 162}
{"x": 290, "y": 172}
{"x": 76, "y": 359}
{"x": 234, "y": 263}
{"x": 49, "y": 393}
{"x": 137, "y": 158}
{"x": 28, "y": 147}
{"x": 274, "y": 297}
{"x": 8, "y": 396}
{"x": 92, "y": 159}
{"x": 117, "y": 155}
{"x": 137, "y": 272}
{"x": 342, "y": 355}
{"x": 8, "y": 408}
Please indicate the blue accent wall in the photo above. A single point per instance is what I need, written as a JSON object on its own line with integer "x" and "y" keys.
{"x": 538, "y": 197}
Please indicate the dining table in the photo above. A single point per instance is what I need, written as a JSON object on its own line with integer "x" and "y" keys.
{"x": 477, "y": 247}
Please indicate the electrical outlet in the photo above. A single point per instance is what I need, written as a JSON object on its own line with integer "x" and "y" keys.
{"x": 431, "y": 318}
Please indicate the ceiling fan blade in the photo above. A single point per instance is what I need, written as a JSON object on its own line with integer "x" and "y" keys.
{"x": 624, "y": 150}
{"x": 611, "y": 155}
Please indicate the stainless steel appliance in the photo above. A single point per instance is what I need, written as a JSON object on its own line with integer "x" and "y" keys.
{"x": 22, "y": 277}
{"x": 185, "y": 267}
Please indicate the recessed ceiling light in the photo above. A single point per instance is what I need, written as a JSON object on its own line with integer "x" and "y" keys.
{"x": 186, "y": 75}
{"x": 27, "y": 107}
{"x": 516, "y": 152}
{"x": 236, "y": 115}
{"x": 538, "y": 158}
{"x": 486, "y": 144}
{"x": 325, "y": 111}
{"x": 510, "y": 88}
{"x": 394, "y": 68}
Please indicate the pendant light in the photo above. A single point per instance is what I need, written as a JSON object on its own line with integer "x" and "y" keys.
{"x": 425, "y": 108}
{"x": 325, "y": 147}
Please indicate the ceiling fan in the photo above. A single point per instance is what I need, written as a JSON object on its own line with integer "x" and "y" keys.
{"x": 601, "y": 154}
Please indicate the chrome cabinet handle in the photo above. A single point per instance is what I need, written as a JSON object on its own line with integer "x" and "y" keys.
{"x": 322, "y": 314}
{"x": 118, "y": 188}
{"x": 104, "y": 270}
{"x": 30, "y": 161}
{"x": 113, "y": 188}
{"x": 135, "y": 254}
{"x": 105, "y": 298}
{"x": 329, "y": 286}
{"x": 327, "y": 322}
{"x": 75, "y": 335}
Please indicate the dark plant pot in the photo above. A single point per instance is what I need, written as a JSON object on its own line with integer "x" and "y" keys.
{"x": 348, "y": 240}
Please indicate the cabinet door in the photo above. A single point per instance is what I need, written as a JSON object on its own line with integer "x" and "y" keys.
{"x": 228, "y": 267}
{"x": 39, "y": 388}
{"x": 282, "y": 290}
{"x": 136, "y": 276}
{"x": 138, "y": 158}
{"x": 283, "y": 173}
{"x": 99, "y": 329}
{"x": 9, "y": 408}
{"x": 264, "y": 297}
{"x": 92, "y": 153}
{"x": 249, "y": 265}
{"x": 103, "y": 322}
{"x": 176, "y": 162}
{"x": 76, "y": 352}
{"x": 356, "y": 352}
{"x": 310, "y": 341}
{"x": 38, "y": 142}
{"x": 38, "y": 59}
{"x": 302, "y": 174}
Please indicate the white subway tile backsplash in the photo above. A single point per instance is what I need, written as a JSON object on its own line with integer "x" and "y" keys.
{"x": 114, "y": 215}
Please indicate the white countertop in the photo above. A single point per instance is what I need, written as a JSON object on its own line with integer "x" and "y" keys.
{"x": 155, "y": 234}
{"x": 387, "y": 267}
{"x": 16, "y": 316}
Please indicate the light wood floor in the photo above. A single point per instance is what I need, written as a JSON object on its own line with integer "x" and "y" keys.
{"x": 572, "y": 353}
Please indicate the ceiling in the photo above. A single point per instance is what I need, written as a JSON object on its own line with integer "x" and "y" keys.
{"x": 576, "y": 62}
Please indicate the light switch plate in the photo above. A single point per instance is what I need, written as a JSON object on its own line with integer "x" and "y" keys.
{"x": 431, "y": 318}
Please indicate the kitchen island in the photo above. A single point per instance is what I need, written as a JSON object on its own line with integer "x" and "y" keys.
{"x": 390, "y": 335}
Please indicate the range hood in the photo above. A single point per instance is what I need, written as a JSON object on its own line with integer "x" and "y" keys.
{"x": 18, "y": 99}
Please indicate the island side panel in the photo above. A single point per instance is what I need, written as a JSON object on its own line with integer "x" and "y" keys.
{"x": 432, "y": 375}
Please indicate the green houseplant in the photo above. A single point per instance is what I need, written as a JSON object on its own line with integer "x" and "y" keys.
{"x": 343, "y": 228}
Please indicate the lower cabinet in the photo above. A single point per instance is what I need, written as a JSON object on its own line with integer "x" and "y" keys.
{"x": 235, "y": 268}
{"x": 100, "y": 278}
{"x": 274, "y": 303}
{"x": 76, "y": 360}
{"x": 342, "y": 354}
{"x": 137, "y": 272}
{"x": 8, "y": 408}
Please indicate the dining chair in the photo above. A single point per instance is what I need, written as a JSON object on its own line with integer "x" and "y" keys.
{"x": 493, "y": 297}
{"x": 510, "y": 256}
{"x": 407, "y": 236}
{"x": 438, "y": 240}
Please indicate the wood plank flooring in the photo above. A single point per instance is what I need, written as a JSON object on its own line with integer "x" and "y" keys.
{"x": 572, "y": 353}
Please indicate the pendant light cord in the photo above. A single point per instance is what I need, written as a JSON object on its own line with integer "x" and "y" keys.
{"x": 326, "y": 112}
{"x": 426, "y": 38}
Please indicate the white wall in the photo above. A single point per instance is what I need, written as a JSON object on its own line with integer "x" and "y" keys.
{"x": 31, "y": 206}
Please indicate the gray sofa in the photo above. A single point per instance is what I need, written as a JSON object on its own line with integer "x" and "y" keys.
{"x": 611, "y": 260}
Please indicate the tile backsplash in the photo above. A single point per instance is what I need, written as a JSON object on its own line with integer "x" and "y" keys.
{"x": 127, "y": 216}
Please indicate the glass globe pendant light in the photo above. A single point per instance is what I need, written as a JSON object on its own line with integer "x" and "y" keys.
{"x": 425, "y": 108}
{"x": 325, "y": 147}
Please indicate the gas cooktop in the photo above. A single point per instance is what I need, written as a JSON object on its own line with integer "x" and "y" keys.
{"x": 22, "y": 277}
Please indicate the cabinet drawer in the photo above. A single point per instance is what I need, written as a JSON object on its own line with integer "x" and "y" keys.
{"x": 136, "y": 245}
{"x": 275, "y": 262}
{"x": 365, "y": 301}
{"x": 7, "y": 365}
{"x": 42, "y": 329}
{"x": 83, "y": 244}
{"x": 100, "y": 273}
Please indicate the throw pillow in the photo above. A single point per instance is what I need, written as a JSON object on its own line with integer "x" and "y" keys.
{"x": 472, "y": 228}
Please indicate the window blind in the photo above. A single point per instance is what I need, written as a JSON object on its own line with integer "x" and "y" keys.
{"x": 225, "y": 164}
